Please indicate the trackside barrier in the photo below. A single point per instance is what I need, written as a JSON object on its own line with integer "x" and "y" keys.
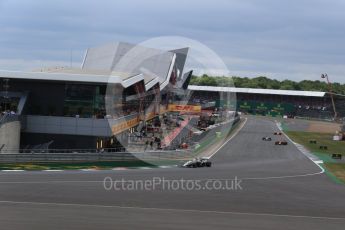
{"x": 94, "y": 157}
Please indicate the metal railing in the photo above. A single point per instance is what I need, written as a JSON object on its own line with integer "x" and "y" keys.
{"x": 71, "y": 151}
{"x": 83, "y": 155}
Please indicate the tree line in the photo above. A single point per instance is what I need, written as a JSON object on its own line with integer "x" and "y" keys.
{"x": 266, "y": 83}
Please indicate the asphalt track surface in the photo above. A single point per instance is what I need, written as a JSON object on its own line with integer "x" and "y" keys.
{"x": 281, "y": 189}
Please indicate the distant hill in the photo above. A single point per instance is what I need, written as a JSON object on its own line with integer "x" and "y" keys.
{"x": 266, "y": 83}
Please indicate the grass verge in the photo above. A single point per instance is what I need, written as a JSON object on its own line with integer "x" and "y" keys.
{"x": 334, "y": 168}
{"x": 337, "y": 169}
{"x": 83, "y": 165}
{"x": 323, "y": 139}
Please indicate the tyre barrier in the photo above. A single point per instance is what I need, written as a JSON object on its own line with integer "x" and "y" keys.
{"x": 337, "y": 156}
{"x": 323, "y": 147}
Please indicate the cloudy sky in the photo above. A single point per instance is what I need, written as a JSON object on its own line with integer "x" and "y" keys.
{"x": 295, "y": 39}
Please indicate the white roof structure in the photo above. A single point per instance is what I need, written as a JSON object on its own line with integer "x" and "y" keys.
{"x": 116, "y": 62}
{"x": 112, "y": 78}
{"x": 257, "y": 91}
{"x": 133, "y": 59}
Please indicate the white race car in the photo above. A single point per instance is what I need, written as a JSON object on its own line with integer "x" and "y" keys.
{"x": 197, "y": 163}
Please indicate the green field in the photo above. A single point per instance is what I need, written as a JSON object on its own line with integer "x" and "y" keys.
{"x": 334, "y": 167}
{"x": 303, "y": 138}
{"x": 337, "y": 169}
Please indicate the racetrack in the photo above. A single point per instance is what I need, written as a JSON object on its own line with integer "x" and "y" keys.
{"x": 281, "y": 189}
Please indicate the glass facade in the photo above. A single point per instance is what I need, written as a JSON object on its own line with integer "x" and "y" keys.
{"x": 84, "y": 100}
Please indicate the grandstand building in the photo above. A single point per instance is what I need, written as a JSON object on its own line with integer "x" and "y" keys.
{"x": 118, "y": 87}
{"x": 267, "y": 102}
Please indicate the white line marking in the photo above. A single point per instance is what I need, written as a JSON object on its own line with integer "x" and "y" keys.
{"x": 199, "y": 179}
{"x": 315, "y": 162}
{"x": 176, "y": 210}
{"x": 272, "y": 177}
{"x": 52, "y": 170}
{"x": 119, "y": 168}
{"x": 13, "y": 170}
{"x": 234, "y": 135}
{"x": 166, "y": 166}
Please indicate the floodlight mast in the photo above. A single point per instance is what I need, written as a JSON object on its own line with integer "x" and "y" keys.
{"x": 330, "y": 91}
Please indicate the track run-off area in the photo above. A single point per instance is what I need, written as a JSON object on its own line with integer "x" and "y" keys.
{"x": 280, "y": 188}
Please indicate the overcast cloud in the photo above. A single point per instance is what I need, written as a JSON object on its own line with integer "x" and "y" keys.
{"x": 295, "y": 39}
